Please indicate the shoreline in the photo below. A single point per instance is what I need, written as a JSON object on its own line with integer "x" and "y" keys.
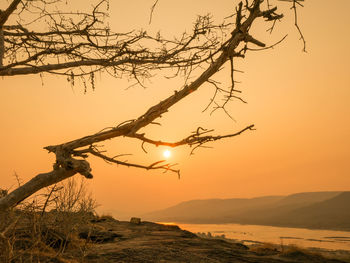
{"x": 249, "y": 234}
{"x": 87, "y": 237}
{"x": 247, "y": 224}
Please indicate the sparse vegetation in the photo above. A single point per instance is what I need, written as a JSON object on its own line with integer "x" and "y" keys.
{"x": 210, "y": 235}
{"x": 31, "y": 233}
{"x": 68, "y": 233}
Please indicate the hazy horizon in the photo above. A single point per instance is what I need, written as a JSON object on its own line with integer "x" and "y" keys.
{"x": 127, "y": 214}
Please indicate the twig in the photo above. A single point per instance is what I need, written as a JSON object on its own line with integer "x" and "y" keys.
{"x": 152, "y": 10}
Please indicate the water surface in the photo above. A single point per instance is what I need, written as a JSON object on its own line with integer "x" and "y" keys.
{"x": 248, "y": 234}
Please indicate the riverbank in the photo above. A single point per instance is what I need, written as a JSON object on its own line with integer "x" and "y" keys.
{"x": 152, "y": 242}
{"x": 250, "y": 234}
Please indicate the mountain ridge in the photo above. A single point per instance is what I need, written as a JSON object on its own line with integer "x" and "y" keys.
{"x": 317, "y": 210}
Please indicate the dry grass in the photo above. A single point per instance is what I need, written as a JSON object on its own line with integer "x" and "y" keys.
{"x": 106, "y": 217}
{"x": 31, "y": 234}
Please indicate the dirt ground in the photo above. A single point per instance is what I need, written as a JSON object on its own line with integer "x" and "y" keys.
{"x": 60, "y": 237}
{"x": 117, "y": 241}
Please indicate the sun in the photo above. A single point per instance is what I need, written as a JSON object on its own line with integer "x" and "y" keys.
{"x": 167, "y": 153}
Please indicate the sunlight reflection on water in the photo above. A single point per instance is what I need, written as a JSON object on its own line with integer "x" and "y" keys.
{"x": 327, "y": 239}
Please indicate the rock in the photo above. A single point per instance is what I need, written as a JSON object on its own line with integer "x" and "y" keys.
{"x": 135, "y": 220}
{"x": 98, "y": 220}
{"x": 98, "y": 236}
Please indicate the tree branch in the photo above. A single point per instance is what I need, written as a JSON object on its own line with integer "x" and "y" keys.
{"x": 191, "y": 140}
{"x": 153, "y": 166}
{"x": 38, "y": 182}
{"x": 4, "y": 15}
{"x": 79, "y": 53}
{"x": 129, "y": 129}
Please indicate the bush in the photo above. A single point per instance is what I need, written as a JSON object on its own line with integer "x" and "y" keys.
{"x": 31, "y": 234}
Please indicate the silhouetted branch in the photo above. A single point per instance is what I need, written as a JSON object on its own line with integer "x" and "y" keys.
{"x": 154, "y": 166}
{"x": 192, "y": 140}
{"x": 268, "y": 47}
{"x": 80, "y": 44}
{"x": 152, "y": 10}
{"x": 294, "y": 8}
{"x": 4, "y": 15}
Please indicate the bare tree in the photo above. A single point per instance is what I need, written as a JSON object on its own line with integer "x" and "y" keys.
{"x": 79, "y": 45}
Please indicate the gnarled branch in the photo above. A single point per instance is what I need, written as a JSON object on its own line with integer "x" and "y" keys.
{"x": 84, "y": 46}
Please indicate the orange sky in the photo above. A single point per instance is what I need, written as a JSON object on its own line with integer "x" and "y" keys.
{"x": 298, "y": 101}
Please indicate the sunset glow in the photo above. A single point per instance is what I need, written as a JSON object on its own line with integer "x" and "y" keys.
{"x": 167, "y": 153}
{"x": 299, "y": 103}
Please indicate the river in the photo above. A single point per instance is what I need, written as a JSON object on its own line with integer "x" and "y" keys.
{"x": 249, "y": 234}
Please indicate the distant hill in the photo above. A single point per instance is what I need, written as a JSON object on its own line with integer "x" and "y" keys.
{"x": 209, "y": 210}
{"x": 321, "y": 210}
{"x": 333, "y": 212}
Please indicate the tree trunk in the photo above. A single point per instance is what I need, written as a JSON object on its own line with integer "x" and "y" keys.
{"x": 43, "y": 180}
{"x": 38, "y": 182}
